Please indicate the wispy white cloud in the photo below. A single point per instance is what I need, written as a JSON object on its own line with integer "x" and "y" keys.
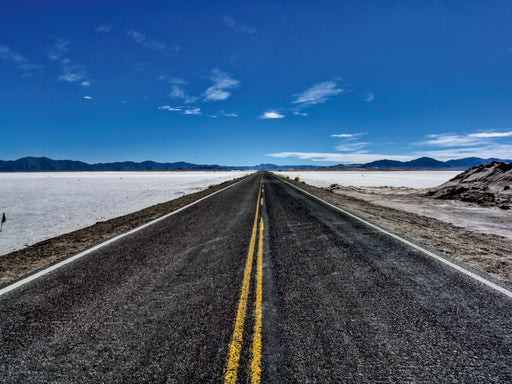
{"x": 355, "y": 158}
{"x": 349, "y": 143}
{"x": 222, "y": 84}
{"x": 228, "y": 114}
{"x": 59, "y": 49}
{"x": 451, "y": 140}
{"x": 491, "y": 134}
{"x": 317, "y": 94}
{"x": 103, "y": 28}
{"x": 70, "y": 72}
{"x": 145, "y": 41}
{"x": 297, "y": 113}
{"x": 169, "y": 108}
{"x": 445, "y": 146}
{"x": 185, "y": 111}
{"x": 369, "y": 97}
{"x": 485, "y": 144}
{"x": 192, "y": 111}
{"x": 347, "y": 135}
{"x": 271, "y": 114}
{"x": 179, "y": 93}
{"x": 87, "y": 97}
{"x": 173, "y": 80}
{"x": 19, "y": 61}
{"x": 73, "y": 73}
{"x": 356, "y": 147}
{"x": 500, "y": 151}
{"x": 237, "y": 27}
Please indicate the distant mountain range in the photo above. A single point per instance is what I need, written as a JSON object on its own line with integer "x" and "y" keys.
{"x": 44, "y": 164}
{"x": 421, "y": 163}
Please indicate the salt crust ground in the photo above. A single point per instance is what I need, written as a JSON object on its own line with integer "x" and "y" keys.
{"x": 42, "y": 205}
{"x": 479, "y": 237}
{"x": 411, "y": 179}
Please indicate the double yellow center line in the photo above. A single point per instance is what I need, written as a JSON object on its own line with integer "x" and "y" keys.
{"x": 235, "y": 347}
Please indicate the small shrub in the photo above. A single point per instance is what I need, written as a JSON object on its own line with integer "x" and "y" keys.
{"x": 297, "y": 179}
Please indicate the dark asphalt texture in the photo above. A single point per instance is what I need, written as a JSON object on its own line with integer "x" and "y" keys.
{"x": 342, "y": 303}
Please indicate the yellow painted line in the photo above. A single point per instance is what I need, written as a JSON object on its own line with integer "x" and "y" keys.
{"x": 256, "y": 341}
{"x": 235, "y": 347}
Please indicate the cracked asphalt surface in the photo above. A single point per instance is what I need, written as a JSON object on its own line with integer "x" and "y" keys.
{"x": 342, "y": 302}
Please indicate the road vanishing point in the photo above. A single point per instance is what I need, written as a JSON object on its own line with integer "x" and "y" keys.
{"x": 259, "y": 282}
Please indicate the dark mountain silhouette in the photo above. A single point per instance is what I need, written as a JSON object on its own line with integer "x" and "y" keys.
{"x": 421, "y": 163}
{"x": 425, "y": 163}
{"x": 44, "y": 164}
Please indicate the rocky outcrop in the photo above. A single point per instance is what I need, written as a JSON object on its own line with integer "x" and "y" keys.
{"x": 486, "y": 185}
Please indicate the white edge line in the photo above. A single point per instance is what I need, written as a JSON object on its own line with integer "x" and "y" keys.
{"x": 45, "y": 271}
{"x": 427, "y": 252}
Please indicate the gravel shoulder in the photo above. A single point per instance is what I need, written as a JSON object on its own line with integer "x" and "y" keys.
{"x": 406, "y": 212}
{"x": 17, "y": 264}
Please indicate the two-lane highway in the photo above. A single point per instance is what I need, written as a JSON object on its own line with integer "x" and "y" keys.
{"x": 259, "y": 281}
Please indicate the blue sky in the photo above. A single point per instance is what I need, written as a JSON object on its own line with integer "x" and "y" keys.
{"x": 242, "y": 83}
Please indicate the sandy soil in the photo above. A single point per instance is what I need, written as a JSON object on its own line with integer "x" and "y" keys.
{"x": 17, "y": 264}
{"x": 479, "y": 237}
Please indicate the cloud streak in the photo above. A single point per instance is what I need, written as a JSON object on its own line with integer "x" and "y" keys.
{"x": 228, "y": 114}
{"x": 146, "y": 42}
{"x": 192, "y": 111}
{"x": 480, "y": 144}
{"x": 173, "y": 80}
{"x": 240, "y": 28}
{"x": 347, "y": 135}
{"x": 352, "y": 147}
{"x": 354, "y": 158}
{"x": 349, "y": 144}
{"x": 445, "y": 146}
{"x": 451, "y": 140}
{"x": 70, "y": 72}
{"x": 103, "y": 28}
{"x": 369, "y": 97}
{"x": 169, "y": 108}
{"x": 19, "y": 61}
{"x": 179, "y": 93}
{"x": 271, "y": 114}
{"x": 223, "y": 83}
{"x": 500, "y": 151}
{"x": 317, "y": 94}
{"x": 491, "y": 134}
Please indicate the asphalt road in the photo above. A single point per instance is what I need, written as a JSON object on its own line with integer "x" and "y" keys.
{"x": 232, "y": 290}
